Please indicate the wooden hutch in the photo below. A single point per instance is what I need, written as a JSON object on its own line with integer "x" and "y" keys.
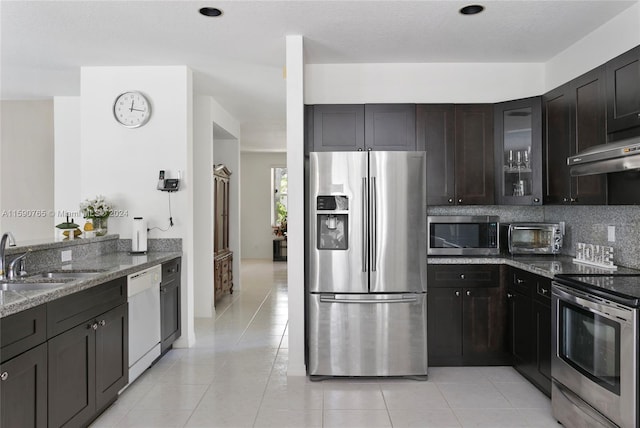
{"x": 222, "y": 255}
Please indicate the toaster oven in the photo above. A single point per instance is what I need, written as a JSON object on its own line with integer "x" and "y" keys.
{"x": 535, "y": 238}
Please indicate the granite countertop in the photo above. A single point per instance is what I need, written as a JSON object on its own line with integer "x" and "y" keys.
{"x": 109, "y": 266}
{"x": 547, "y": 266}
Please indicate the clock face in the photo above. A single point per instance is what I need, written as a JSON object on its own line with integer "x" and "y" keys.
{"x": 132, "y": 109}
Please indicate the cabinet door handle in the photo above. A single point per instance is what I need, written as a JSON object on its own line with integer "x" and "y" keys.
{"x": 93, "y": 326}
{"x": 509, "y": 296}
{"x": 450, "y": 200}
{"x": 544, "y": 291}
{"x": 468, "y": 292}
{"x": 4, "y": 376}
{"x": 574, "y": 199}
{"x": 102, "y": 323}
{"x": 519, "y": 281}
{"x": 457, "y": 294}
{"x": 461, "y": 276}
{"x": 565, "y": 199}
{"x": 536, "y": 200}
{"x": 460, "y": 200}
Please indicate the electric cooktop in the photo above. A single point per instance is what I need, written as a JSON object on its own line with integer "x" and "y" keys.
{"x": 619, "y": 288}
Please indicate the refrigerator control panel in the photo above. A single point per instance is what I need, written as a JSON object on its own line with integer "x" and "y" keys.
{"x": 332, "y": 203}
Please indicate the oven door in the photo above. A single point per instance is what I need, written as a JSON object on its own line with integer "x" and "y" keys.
{"x": 594, "y": 352}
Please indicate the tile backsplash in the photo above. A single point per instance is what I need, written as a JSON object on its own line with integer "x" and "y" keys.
{"x": 587, "y": 224}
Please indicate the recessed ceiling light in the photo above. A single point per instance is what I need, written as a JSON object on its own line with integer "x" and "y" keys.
{"x": 472, "y": 9}
{"x": 210, "y": 11}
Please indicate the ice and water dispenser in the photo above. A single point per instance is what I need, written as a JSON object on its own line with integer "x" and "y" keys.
{"x": 332, "y": 222}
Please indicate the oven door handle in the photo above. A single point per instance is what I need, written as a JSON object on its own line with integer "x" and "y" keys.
{"x": 593, "y": 305}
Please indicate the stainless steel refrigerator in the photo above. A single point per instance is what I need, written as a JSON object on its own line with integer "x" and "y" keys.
{"x": 367, "y": 264}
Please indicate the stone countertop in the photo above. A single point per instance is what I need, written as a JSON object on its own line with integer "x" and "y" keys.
{"x": 109, "y": 266}
{"x": 547, "y": 266}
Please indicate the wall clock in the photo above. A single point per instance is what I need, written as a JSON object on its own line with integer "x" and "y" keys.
{"x": 132, "y": 109}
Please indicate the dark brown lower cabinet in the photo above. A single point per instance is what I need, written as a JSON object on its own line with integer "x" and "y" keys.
{"x": 23, "y": 382}
{"x": 466, "y": 316}
{"x": 170, "y": 326}
{"x": 530, "y": 327}
{"x": 88, "y": 365}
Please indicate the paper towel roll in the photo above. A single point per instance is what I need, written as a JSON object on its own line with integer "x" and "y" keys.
{"x": 139, "y": 235}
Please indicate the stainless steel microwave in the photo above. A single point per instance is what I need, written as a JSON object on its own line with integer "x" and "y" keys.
{"x": 463, "y": 235}
{"x": 535, "y": 238}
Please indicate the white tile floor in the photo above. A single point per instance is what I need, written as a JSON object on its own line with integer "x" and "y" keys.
{"x": 235, "y": 376}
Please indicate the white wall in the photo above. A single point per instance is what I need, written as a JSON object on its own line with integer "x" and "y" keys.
{"x": 610, "y": 40}
{"x": 67, "y": 194}
{"x": 257, "y": 234}
{"x": 122, "y": 164}
{"x": 26, "y": 204}
{"x": 295, "y": 217}
{"x": 421, "y": 83}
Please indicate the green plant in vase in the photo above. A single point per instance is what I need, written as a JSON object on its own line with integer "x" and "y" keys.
{"x": 98, "y": 210}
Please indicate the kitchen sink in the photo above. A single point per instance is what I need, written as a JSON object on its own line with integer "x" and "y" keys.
{"x": 69, "y": 274}
{"x": 28, "y": 286}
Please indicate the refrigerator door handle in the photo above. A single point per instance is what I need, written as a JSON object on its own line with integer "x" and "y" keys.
{"x": 331, "y": 299}
{"x": 364, "y": 224}
{"x": 374, "y": 224}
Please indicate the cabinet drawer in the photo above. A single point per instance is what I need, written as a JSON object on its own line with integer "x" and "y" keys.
{"x": 522, "y": 281}
{"x": 69, "y": 311}
{"x": 170, "y": 270}
{"x": 22, "y": 331}
{"x": 463, "y": 276}
{"x": 543, "y": 290}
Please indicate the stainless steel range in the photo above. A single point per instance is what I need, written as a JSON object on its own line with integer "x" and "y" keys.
{"x": 595, "y": 350}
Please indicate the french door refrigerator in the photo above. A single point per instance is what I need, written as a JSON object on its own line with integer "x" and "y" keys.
{"x": 367, "y": 264}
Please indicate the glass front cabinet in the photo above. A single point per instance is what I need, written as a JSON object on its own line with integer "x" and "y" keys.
{"x": 518, "y": 143}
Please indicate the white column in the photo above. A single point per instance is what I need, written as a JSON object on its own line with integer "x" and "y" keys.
{"x": 295, "y": 224}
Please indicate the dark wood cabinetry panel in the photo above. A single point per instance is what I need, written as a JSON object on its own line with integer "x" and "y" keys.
{"x": 338, "y": 127}
{"x": 112, "y": 355}
{"x": 574, "y": 121}
{"x": 72, "y": 376}
{"x": 435, "y": 133}
{"x": 556, "y": 106}
{"x": 390, "y": 127}
{"x": 22, "y": 331}
{"x": 467, "y": 314}
{"x": 23, "y": 401}
{"x": 474, "y": 165}
{"x": 589, "y": 109}
{"x": 222, "y": 254}
{"x": 530, "y": 326}
{"x": 623, "y": 91}
{"x": 170, "y": 310}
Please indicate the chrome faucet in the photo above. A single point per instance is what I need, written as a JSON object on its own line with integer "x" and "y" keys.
{"x": 3, "y": 243}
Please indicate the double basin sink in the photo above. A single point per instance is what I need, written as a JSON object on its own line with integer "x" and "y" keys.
{"x": 46, "y": 280}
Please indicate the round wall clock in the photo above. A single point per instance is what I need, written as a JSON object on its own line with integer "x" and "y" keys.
{"x": 132, "y": 109}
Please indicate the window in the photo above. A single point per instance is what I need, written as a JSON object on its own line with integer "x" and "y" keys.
{"x": 279, "y": 187}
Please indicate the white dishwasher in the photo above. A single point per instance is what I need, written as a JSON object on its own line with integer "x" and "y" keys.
{"x": 144, "y": 319}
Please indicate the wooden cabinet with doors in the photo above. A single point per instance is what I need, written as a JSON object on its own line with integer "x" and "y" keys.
{"x": 459, "y": 143}
{"x": 623, "y": 91}
{"x": 529, "y": 297}
{"x": 518, "y": 151}
{"x": 574, "y": 120}
{"x": 170, "y": 304}
{"x": 353, "y": 127}
{"x": 222, "y": 255}
{"x": 466, "y": 315}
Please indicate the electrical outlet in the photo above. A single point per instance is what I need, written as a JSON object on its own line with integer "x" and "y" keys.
{"x": 66, "y": 256}
{"x": 611, "y": 233}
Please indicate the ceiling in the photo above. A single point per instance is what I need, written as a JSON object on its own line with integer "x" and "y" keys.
{"x": 238, "y": 58}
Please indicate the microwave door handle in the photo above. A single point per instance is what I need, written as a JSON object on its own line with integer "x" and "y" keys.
{"x": 509, "y": 239}
{"x": 365, "y": 236}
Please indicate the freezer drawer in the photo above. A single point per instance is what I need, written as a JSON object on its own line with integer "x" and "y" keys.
{"x": 368, "y": 334}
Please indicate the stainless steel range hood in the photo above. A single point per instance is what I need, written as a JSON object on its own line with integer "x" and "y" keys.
{"x": 613, "y": 157}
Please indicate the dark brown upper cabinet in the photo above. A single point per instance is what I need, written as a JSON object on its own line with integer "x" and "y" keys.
{"x": 350, "y": 127}
{"x": 623, "y": 91}
{"x": 574, "y": 119}
{"x": 390, "y": 127}
{"x": 459, "y": 144}
{"x": 518, "y": 151}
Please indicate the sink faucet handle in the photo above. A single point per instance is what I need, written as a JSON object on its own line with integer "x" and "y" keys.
{"x": 12, "y": 239}
{"x": 17, "y": 266}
